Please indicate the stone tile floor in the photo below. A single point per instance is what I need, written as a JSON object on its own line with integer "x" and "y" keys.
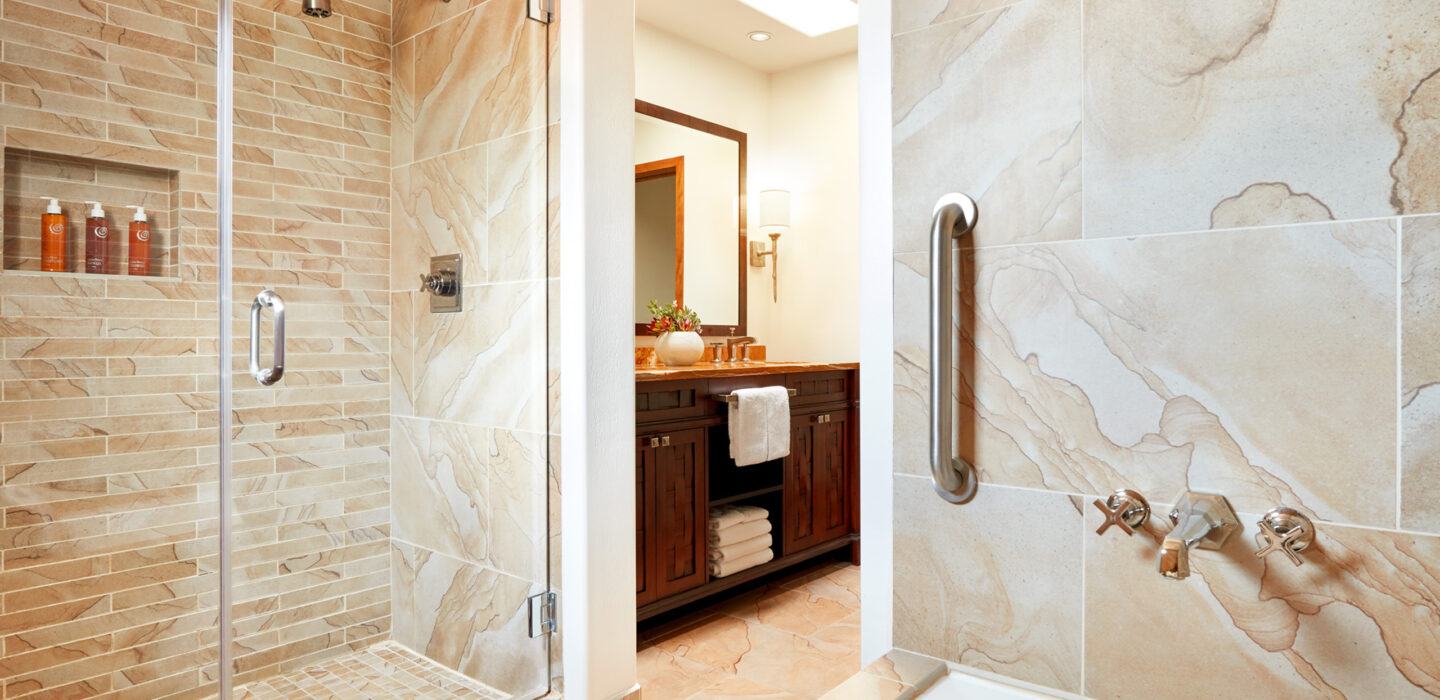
{"x": 385, "y": 671}
{"x": 796, "y": 638}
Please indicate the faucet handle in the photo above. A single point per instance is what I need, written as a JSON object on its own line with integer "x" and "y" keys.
{"x": 1284, "y": 530}
{"x": 1125, "y": 509}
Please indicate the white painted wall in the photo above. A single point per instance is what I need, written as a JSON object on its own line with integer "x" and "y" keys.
{"x": 877, "y": 345}
{"x": 597, "y": 408}
{"x": 815, "y": 153}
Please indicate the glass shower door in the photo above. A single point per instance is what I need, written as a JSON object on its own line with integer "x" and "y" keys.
{"x": 389, "y": 491}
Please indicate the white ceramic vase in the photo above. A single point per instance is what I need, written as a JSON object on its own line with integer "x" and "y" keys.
{"x": 679, "y": 348}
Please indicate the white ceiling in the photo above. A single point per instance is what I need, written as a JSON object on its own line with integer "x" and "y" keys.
{"x": 725, "y": 25}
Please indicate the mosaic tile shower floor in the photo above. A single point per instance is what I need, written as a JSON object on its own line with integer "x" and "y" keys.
{"x": 385, "y": 671}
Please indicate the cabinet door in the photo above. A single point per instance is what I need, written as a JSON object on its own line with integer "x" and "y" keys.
{"x": 816, "y": 480}
{"x": 678, "y": 494}
{"x": 832, "y": 476}
{"x": 645, "y": 591}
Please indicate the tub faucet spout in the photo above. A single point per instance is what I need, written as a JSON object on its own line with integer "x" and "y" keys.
{"x": 1203, "y": 520}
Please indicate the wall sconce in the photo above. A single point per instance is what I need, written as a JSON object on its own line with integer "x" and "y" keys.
{"x": 774, "y": 220}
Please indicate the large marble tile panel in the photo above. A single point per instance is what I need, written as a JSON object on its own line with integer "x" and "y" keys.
{"x": 471, "y": 493}
{"x": 440, "y": 206}
{"x": 975, "y": 588}
{"x": 478, "y": 77}
{"x": 1257, "y": 363}
{"x": 918, "y": 14}
{"x": 519, "y": 493}
{"x": 1225, "y": 114}
{"x": 990, "y": 106}
{"x": 1420, "y": 374}
{"x": 517, "y": 183}
{"x": 414, "y": 16}
{"x": 484, "y": 365}
{"x": 468, "y": 618}
{"x": 911, "y": 398}
{"x": 1360, "y": 619}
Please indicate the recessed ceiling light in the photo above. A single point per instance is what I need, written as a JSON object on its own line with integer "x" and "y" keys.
{"x": 759, "y": 36}
{"x": 810, "y": 17}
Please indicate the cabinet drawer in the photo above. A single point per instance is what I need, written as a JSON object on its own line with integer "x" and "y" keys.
{"x": 668, "y": 401}
{"x": 815, "y": 388}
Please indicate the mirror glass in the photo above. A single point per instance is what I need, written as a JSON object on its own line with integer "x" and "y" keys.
{"x": 689, "y": 218}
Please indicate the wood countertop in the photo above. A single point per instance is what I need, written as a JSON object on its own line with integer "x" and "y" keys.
{"x": 710, "y": 370}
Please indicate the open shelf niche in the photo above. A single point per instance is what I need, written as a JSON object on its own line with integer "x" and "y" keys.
{"x": 30, "y": 176}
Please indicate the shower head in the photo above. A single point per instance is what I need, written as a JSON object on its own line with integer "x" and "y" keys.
{"x": 316, "y": 8}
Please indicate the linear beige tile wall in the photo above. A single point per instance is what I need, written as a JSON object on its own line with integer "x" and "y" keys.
{"x": 1208, "y": 259}
{"x": 469, "y": 389}
{"x": 107, "y": 419}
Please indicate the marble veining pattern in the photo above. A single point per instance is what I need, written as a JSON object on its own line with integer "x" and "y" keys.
{"x": 472, "y": 389}
{"x": 468, "y": 618}
{"x": 478, "y": 77}
{"x": 1019, "y": 156}
{"x": 1274, "y": 344}
{"x": 1227, "y": 115}
{"x": 1133, "y": 362}
{"x": 1004, "y": 600}
{"x": 1360, "y": 619}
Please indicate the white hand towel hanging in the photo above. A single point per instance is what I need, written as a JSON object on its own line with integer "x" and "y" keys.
{"x": 759, "y": 425}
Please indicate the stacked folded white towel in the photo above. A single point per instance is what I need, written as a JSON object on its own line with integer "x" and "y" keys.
{"x": 739, "y": 539}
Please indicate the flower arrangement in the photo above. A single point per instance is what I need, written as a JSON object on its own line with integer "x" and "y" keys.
{"x": 666, "y": 318}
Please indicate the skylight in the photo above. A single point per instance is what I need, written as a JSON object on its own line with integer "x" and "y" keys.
{"x": 810, "y": 17}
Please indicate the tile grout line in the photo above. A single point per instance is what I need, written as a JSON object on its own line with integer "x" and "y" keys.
{"x": 1130, "y": 237}
{"x": 1084, "y": 556}
{"x": 1399, "y": 368}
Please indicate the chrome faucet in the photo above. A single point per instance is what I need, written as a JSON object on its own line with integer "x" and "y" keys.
{"x": 736, "y": 347}
{"x": 1203, "y": 520}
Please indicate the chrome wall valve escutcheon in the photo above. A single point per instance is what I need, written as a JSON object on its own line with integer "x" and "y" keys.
{"x": 1284, "y": 530}
{"x": 1203, "y": 521}
{"x": 1125, "y": 509}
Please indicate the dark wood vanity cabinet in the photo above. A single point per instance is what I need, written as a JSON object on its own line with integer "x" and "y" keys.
{"x": 683, "y": 467}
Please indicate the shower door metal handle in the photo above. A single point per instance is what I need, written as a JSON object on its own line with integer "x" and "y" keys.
{"x": 954, "y": 216}
{"x": 268, "y": 376}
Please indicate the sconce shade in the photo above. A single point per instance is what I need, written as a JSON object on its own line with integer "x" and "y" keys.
{"x": 774, "y": 211}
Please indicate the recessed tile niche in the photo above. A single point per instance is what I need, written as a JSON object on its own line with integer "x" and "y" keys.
{"x": 33, "y": 176}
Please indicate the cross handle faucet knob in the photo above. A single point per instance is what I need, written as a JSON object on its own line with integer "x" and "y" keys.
{"x": 1125, "y": 509}
{"x": 1284, "y": 530}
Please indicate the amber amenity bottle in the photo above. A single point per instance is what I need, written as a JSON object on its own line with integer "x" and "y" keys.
{"x": 52, "y": 238}
{"x": 97, "y": 243}
{"x": 139, "y": 242}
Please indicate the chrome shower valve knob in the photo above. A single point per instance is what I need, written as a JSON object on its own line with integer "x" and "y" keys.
{"x": 1284, "y": 530}
{"x": 1124, "y": 509}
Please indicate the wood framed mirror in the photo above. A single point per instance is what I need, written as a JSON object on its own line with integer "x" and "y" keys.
{"x": 690, "y": 214}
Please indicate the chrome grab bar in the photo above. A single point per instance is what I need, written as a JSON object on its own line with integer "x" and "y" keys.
{"x": 270, "y": 299}
{"x": 954, "y": 478}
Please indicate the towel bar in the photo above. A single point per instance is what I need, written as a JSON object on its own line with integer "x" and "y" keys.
{"x": 730, "y": 398}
